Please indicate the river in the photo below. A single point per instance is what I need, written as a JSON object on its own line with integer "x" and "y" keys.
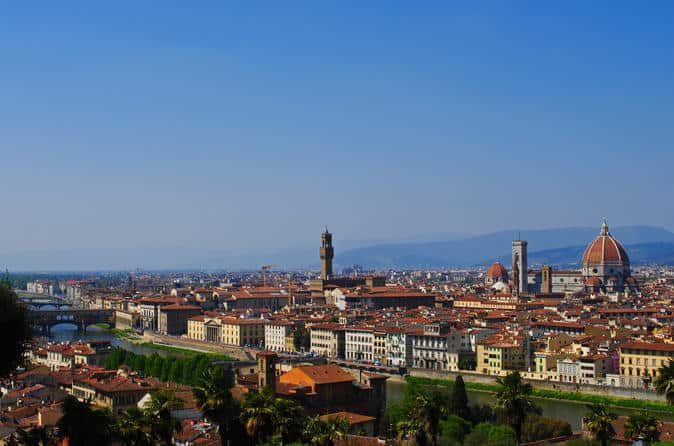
{"x": 570, "y": 411}
{"x": 69, "y": 333}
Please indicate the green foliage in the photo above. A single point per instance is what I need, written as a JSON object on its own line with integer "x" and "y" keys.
{"x": 301, "y": 339}
{"x": 179, "y": 370}
{"x": 423, "y": 418}
{"x": 600, "y": 423}
{"x": 459, "y": 399}
{"x": 15, "y": 329}
{"x": 455, "y": 428}
{"x": 82, "y": 425}
{"x": 212, "y": 394}
{"x": 185, "y": 351}
{"x": 490, "y": 434}
{"x": 642, "y": 425}
{"x": 131, "y": 428}
{"x": 627, "y": 403}
{"x": 158, "y": 412}
{"x": 538, "y": 427}
{"x": 664, "y": 383}
{"x": 513, "y": 399}
{"x": 323, "y": 433}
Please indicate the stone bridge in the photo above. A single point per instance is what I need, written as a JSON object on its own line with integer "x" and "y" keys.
{"x": 45, "y": 319}
{"x": 41, "y": 301}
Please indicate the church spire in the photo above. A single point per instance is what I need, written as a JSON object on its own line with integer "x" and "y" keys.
{"x": 604, "y": 228}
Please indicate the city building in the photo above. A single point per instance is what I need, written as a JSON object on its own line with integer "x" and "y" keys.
{"x": 173, "y": 318}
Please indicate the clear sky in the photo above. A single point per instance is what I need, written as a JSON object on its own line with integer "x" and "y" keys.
{"x": 251, "y": 125}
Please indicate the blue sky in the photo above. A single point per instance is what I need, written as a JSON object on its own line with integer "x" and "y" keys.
{"x": 250, "y": 125}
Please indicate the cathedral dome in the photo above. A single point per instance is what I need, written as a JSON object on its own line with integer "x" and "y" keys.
{"x": 497, "y": 271}
{"x": 605, "y": 249}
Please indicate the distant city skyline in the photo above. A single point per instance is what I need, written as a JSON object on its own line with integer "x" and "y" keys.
{"x": 247, "y": 128}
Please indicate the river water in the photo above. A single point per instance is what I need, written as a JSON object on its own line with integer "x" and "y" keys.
{"x": 69, "y": 333}
{"x": 570, "y": 411}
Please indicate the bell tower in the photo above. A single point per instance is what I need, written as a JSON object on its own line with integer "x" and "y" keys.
{"x": 327, "y": 253}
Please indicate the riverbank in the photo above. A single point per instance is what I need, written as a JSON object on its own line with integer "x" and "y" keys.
{"x": 577, "y": 397}
{"x": 186, "y": 352}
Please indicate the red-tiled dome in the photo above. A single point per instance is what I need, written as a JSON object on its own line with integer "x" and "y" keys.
{"x": 497, "y": 271}
{"x": 605, "y": 248}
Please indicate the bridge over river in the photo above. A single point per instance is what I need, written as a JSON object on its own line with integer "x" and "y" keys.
{"x": 46, "y": 319}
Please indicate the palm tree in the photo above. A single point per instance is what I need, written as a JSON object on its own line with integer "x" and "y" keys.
{"x": 513, "y": 399}
{"x": 599, "y": 421}
{"x": 664, "y": 383}
{"x": 412, "y": 429}
{"x": 258, "y": 415}
{"x": 323, "y": 433}
{"x": 82, "y": 425}
{"x": 130, "y": 428}
{"x": 289, "y": 419}
{"x": 642, "y": 426}
{"x": 214, "y": 399}
{"x": 158, "y": 412}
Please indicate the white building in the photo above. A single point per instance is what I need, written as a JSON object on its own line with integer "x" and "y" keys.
{"x": 327, "y": 340}
{"x": 359, "y": 344}
{"x": 275, "y": 333}
{"x": 398, "y": 347}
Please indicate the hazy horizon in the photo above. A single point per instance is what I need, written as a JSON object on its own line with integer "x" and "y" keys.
{"x": 250, "y": 127}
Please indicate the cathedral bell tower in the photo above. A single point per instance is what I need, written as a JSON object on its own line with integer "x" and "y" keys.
{"x": 327, "y": 253}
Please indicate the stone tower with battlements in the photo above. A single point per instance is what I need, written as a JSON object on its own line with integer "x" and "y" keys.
{"x": 327, "y": 253}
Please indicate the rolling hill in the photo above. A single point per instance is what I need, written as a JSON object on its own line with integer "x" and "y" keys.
{"x": 564, "y": 246}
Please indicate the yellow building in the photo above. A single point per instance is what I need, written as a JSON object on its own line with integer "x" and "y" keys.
{"x": 243, "y": 332}
{"x": 498, "y": 358}
{"x": 641, "y": 361}
{"x": 227, "y": 330}
{"x": 290, "y": 342}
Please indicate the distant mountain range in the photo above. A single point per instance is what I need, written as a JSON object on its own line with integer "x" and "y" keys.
{"x": 557, "y": 247}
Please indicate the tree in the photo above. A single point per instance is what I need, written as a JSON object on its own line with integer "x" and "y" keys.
{"x": 423, "y": 421}
{"x": 301, "y": 339}
{"x": 212, "y": 393}
{"x": 131, "y": 428}
{"x": 455, "y": 428}
{"x": 514, "y": 401}
{"x": 157, "y": 365}
{"x": 139, "y": 363}
{"x": 158, "y": 412}
{"x": 175, "y": 371}
{"x": 257, "y": 414}
{"x": 664, "y": 383}
{"x": 166, "y": 368}
{"x": 599, "y": 421}
{"x": 537, "y": 428}
{"x": 459, "y": 399}
{"x": 323, "y": 433}
{"x": 15, "y": 329}
{"x": 642, "y": 426}
{"x": 289, "y": 420}
{"x": 490, "y": 434}
{"x": 82, "y": 425}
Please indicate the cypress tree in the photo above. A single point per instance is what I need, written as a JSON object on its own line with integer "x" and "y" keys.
{"x": 459, "y": 399}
